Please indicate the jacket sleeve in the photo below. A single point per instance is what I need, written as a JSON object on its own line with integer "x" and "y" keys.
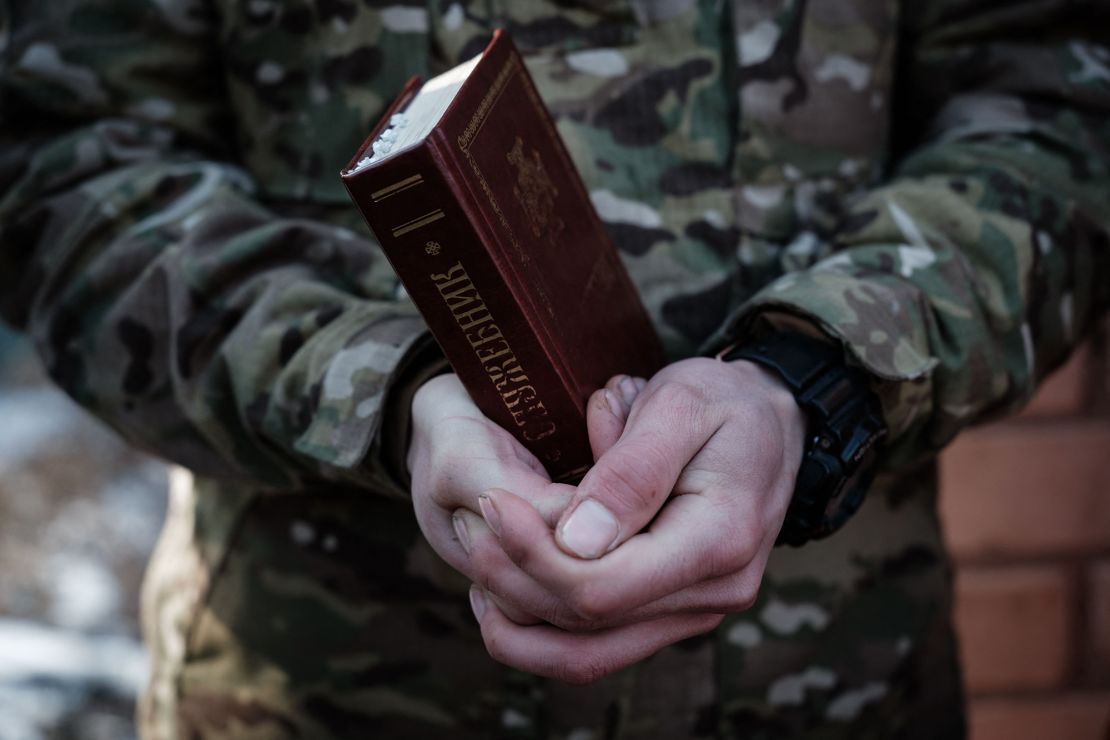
{"x": 970, "y": 273}
{"x": 230, "y": 336}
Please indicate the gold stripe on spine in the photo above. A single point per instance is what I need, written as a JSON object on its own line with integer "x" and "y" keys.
{"x": 397, "y": 187}
{"x": 418, "y": 222}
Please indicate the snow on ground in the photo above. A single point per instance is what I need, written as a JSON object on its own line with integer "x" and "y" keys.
{"x": 79, "y": 514}
{"x": 36, "y": 652}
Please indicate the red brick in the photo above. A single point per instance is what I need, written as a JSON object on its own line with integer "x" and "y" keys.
{"x": 1067, "y": 717}
{"x": 1028, "y": 488}
{"x": 1098, "y": 618}
{"x": 1067, "y": 390}
{"x": 1014, "y": 626}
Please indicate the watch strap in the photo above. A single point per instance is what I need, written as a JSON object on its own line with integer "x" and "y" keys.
{"x": 844, "y": 423}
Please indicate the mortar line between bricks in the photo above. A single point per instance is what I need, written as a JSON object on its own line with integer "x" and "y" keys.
{"x": 1020, "y": 560}
{"x": 1078, "y": 665}
{"x": 1091, "y": 416}
{"x": 1097, "y": 691}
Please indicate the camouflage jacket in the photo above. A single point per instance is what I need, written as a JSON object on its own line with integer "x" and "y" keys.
{"x": 926, "y": 182}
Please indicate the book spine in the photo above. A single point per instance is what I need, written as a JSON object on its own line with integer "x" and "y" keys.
{"x": 430, "y": 237}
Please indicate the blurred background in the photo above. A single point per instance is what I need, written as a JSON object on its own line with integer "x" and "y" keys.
{"x": 1026, "y": 504}
{"x": 79, "y": 514}
{"x": 1026, "y": 508}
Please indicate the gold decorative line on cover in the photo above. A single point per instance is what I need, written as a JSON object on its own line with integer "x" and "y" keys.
{"x": 418, "y": 222}
{"x": 467, "y": 138}
{"x": 512, "y": 66}
{"x": 397, "y": 187}
{"x": 491, "y": 96}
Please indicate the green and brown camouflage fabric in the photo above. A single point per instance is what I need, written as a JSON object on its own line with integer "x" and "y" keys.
{"x": 926, "y": 182}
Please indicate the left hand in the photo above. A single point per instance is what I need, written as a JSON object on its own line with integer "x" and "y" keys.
{"x": 455, "y": 454}
{"x": 670, "y": 530}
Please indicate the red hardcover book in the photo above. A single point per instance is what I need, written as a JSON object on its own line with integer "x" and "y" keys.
{"x": 477, "y": 205}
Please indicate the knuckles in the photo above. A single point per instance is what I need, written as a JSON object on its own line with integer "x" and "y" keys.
{"x": 742, "y": 596}
{"x": 626, "y": 488}
{"x": 497, "y": 649}
{"x": 485, "y": 568}
{"x": 582, "y": 669}
{"x": 681, "y": 401}
{"x": 739, "y": 549}
{"x": 440, "y": 483}
{"x": 517, "y": 549}
{"x": 577, "y": 666}
{"x": 591, "y": 604}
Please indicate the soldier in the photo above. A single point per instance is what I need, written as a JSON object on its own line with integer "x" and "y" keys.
{"x": 921, "y": 187}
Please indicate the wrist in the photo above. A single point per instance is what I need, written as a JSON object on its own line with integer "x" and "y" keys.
{"x": 843, "y": 423}
{"x": 423, "y": 361}
{"x": 783, "y": 405}
{"x": 430, "y": 396}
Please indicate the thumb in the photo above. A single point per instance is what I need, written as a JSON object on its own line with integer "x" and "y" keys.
{"x": 608, "y": 409}
{"x": 632, "y": 480}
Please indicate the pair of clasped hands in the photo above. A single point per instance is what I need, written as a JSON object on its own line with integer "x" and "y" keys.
{"x": 669, "y": 530}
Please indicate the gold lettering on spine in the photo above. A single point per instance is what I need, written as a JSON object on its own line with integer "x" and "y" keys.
{"x": 493, "y": 351}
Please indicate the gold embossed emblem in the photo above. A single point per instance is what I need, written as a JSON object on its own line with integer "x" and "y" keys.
{"x": 534, "y": 191}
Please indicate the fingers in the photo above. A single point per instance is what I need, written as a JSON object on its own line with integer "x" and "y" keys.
{"x": 608, "y": 409}
{"x": 517, "y": 593}
{"x": 467, "y": 467}
{"x": 579, "y": 658}
{"x": 691, "y": 496}
{"x": 457, "y": 453}
{"x": 514, "y": 615}
{"x": 652, "y": 565}
{"x": 630, "y": 482}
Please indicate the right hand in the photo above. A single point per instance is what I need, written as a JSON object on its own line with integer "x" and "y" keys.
{"x": 681, "y": 513}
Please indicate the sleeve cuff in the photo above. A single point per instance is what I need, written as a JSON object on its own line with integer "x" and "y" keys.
{"x": 424, "y": 361}
{"x": 860, "y": 316}
{"x": 357, "y": 424}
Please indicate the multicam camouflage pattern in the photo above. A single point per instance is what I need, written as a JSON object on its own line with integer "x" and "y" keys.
{"x": 174, "y": 236}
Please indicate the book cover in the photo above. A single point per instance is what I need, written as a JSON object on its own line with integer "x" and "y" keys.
{"x": 490, "y": 229}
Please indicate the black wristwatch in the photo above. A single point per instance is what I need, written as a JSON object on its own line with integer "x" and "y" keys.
{"x": 844, "y": 428}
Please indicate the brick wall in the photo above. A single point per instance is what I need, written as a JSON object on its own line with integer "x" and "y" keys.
{"x": 1026, "y": 505}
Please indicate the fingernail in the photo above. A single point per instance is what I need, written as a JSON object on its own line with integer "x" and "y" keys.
{"x": 477, "y": 603}
{"x": 489, "y": 513}
{"x": 615, "y": 406}
{"x": 590, "y": 530}
{"x": 461, "y": 533}
{"x": 640, "y": 384}
{"x": 628, "y": 391}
